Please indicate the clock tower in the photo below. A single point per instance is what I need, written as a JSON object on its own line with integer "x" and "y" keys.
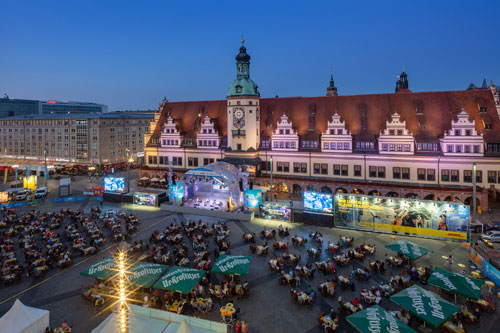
{"x": 243, "y": 107}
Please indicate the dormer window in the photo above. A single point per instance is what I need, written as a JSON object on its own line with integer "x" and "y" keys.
{"x": 457, "y": 132}
{"x": 238, "y": 89}
{"x": 340, "y": 132}
{"x": 287, "y": 131}
{"x": 332, "y": 132}
{"x": 482, "y": 109}
{"x": 281, "y": 132}
{"x": 400, "y": 132}
{"x": 467, "y": 132}
{"x": 488, "y": 126}
{"x": 391, "y": 132}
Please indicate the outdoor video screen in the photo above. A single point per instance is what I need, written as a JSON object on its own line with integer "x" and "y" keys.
{"x": 112, "y": 184}
{"x": 276, "y": 211}
{"x": 319, "y": 202}
{"x": 415, "y": 217}
{"x": 144, "y": 199}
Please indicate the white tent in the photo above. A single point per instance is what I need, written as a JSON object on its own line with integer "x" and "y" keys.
{"x": 25, "y": 319}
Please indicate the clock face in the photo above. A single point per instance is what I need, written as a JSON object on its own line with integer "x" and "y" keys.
{"x": 239, "y": 119}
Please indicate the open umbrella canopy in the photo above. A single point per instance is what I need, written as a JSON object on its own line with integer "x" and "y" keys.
{"x": 232, "y": 264}
{"x": 425, "y": 305}
{"x": 456, "y": 283}
{"x": 181, "y": 279}
{"x": 144, "y": 178}
{"x": 408, "y": 249}
{"x": 376, "y": 319}
{"x": 144, "y": 274}
{"x": 104, "y": 269}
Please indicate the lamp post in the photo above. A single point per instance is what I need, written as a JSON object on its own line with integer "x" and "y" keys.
{"x": 474, "y": 168}
{"x": 128, "y": 170}
{"x": 46, "y": 171}
{"x": 271, "y": 178}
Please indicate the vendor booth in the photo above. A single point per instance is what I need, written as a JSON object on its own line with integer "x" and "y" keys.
{"x": 214, "y": 186}
{"x": 23, "y": 318}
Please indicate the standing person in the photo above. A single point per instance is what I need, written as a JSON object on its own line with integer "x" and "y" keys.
{"x": 450, "y": 261}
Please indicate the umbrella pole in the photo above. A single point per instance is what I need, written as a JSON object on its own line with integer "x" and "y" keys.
{"x": 455, "y": 298}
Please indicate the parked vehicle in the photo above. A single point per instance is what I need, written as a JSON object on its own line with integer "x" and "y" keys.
{"x": 492, "y": 236}
{"x": 494, "y": 226}
{"x": 21, "y": 195}
{"x": 41, "y": 192}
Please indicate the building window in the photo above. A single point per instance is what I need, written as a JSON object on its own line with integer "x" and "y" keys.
{"x": 381, "y": 172}
{"x": 492, "y": 177}
{"x": 391, "y": 132}
{"x": 421, "y": 174}
{"x": 407, "y": 148}
{"x": 150, "y": 159}
{"x": 286, "y": 166}
{"x": 279, "y": 167}
{"x": 405, "y": 173}
{"x": 400, "y": 132}
{"x": 467, "y": 149}
{"x": 324, "y": 169}
{"x": 400, "y": 147}
{"x": 373, "y": 171}
{"x": 431, "y": 175}
{"x": 455, "y": 174}
{"x": 476, "y": 149}
{"x": 296, "y": 167}
{"x": 479, "y": 176}
{"x": 346, "y": 146}
{"x": 467, "y": 132}
{"x": 449, "y": 148}
{"x": 392, "y": 147}
{"x": 385, "y": 147}
{"x": 161, "y": 159}
{"x": 345, "y": 170}
{"x": 340, "y": 132}
{"x": 467, "y": 176}
{"x": 326, "y": 145}
{"x": 396, "y": 173}
{"x": 445, "y": 175}
{"x": 457, "y": 132}
{"x": 339, "y": 145}
{"x": 303, "y": 167}
{"x": 458, "y": 148}
{"x": 357, "y": 170}
{"x": 336, "y": 169}
{"x": 316, "y": 168}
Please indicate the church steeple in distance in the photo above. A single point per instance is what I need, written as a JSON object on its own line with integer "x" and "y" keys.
{"x": 331, "y": 90}
{"x": 243, "y": 85}
{"x": 402, "y": 82}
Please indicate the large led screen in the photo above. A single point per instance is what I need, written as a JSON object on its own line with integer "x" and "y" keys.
{"x": 112, "y": 184}
{"x": 145, "y": 199}
{"x": 440, "y": 219}
{"x": 276, "y": 211}
{"x": 319, "y": 202}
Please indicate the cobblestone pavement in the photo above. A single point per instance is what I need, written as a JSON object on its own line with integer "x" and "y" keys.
{"x": 269, "y": 308}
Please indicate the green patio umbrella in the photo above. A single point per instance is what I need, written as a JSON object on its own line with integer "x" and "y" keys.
{"x": 425, "y": 305}
{"x": 232, "y": 264}
{"x": 144, "y": 274}
{"x": 376, "y": 319}
{"x": 408, "y": 249}
{"x": 104, "y": 269}
{"x": 180, "y": 279}
{"x": 456, "y": 283}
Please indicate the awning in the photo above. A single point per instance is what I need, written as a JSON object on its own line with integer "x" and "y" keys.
{"x": 144, "y": 178}
{"x": 181, "y": 279}
{"x": 425, "y": 305}
{"x": 163, "y": 180}
{"x": 104, "y": 269}
{"x": 144, "y": 274}
{"x": 408, "y": 249}
{"x": 232, "y": 264}
{"x": 377, "y": 319}
{"x": 155, "y": 179}
{"x": 456, "y": 283}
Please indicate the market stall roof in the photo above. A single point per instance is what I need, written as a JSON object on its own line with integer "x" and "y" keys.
{"x": 425, "y": 305}
{"x": 181, "y": 279}
{"x": 23, "y": 318}
{"x": 456, "y": 283}
{"x": 144, "y": 274}
{"x": 408, "y": 249}
{"x": 377, "y": 319}
{"x": 232, "y": 264}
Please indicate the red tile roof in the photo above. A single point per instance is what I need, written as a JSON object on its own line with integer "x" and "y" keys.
{"x": 439, "y": 108}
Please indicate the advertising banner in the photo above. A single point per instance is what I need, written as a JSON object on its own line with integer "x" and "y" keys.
{"x": 447, "y": 220}
{"x": 30, "y": 182}
{"x": 253, "y": 198}
{"x": 319, "y": 202}
{"x": 488, "y": 270}
{"x": 276, "y": 211}
{"x": 68, "y": 199}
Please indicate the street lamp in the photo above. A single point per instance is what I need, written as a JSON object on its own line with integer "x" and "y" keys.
{"x": 271, "y": 177}
{"x": 129, "y": 160}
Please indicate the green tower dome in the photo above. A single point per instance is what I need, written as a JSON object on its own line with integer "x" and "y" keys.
{"x": 243, "y": 85}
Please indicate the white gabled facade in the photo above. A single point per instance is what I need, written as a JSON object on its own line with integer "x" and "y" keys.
{"x": 462, "y": 139}
{"x": 336, "y": 138}
{"x": 170, "y": 136}
{"x": 284, "y": 137}
{"x": 396, "y": 139}
{"x": 208, "y": 137}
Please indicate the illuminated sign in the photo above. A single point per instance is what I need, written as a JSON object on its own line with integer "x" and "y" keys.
{"x": 253, "y": 198}
{"x": 112, "y": 184}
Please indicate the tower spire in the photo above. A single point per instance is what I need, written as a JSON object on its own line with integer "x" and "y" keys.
{"x": 331, "y": 90}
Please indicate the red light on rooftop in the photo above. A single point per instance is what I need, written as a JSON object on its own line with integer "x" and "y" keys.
{"x": 51, "y": 102}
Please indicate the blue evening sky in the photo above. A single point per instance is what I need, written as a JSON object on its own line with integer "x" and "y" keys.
{"x": 129, "y": 54}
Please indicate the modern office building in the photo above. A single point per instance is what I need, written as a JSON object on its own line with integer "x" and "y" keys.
{"x": 75, "y": 139}
{"x": 21, "y": 107}
{"x": 403, "y": 144}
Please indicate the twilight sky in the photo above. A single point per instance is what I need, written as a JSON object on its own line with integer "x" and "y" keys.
{"x": 129, "y": 54}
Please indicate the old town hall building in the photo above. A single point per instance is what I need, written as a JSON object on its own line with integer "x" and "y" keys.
{"x": 404, "y": 144}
